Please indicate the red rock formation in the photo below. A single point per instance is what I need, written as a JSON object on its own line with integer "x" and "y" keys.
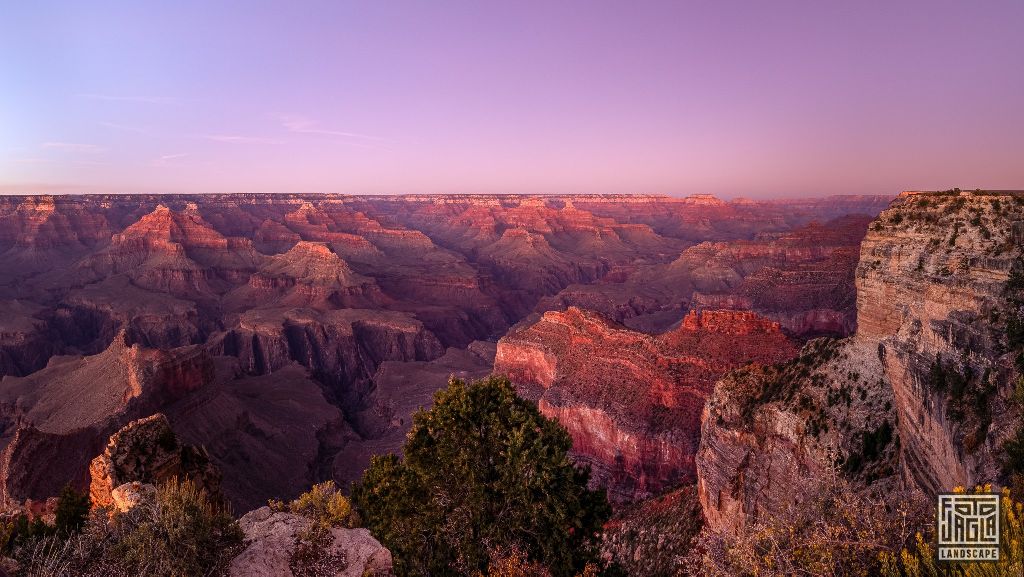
{"x": 309, "y": 274}
{"x": 802, "y": 278}
{"x": 632, "y": 402}
{"x": 147, "y": 451}
{"x": 113, "y": 307}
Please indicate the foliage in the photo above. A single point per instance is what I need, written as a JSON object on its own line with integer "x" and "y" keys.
{"x": 920, "y": 561}
{"x": 483, "y": 471}
{"x": 513, "y": 563}
{"x": 873, "y": 444}
{"x": 839, "y": 531}
{"x": 179, "y": 534}
{"x": 324, "y": 504}
{"x": 72, "y": 511}
{"x": 653, "y": 537}
{"x": 327, "y": 508}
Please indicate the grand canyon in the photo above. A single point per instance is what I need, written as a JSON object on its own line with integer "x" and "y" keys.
{"x": 700, "y": 353}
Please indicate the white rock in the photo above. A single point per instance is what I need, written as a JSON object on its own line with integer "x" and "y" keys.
{"x": 271, "y": 539}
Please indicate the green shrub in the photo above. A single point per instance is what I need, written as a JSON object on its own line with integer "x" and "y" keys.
{"x": 179, "y": 534}
{"x": 72, "y": 511}
{"x": 183, "y": 534}
{"x": 482, "y": 470}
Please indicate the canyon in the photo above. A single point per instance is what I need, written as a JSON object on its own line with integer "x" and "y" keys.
{"x": 291, "y": 337}
{"x": 715, "y": 363}
{"x": 922, "y": 397}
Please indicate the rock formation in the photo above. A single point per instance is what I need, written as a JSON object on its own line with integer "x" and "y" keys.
{"x": 933, "y": 296}
{"x": 632, "y": 402}
{"x": 923, "y": 388}
{"x": 225, "y": 311}
{"x": 272, "y": 539}
{"x": 147, "y": 451}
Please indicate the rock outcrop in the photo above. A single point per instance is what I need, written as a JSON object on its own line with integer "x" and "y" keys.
{"x": 768, "y": 433}
{"x": 632, "y": 402}
{"x": 923, "y": 388}
{"x": 147, "y": 451}
{"x": 934, "y": 298}
{"x": 652, "y": 537}
{"x": 273, "y": 539}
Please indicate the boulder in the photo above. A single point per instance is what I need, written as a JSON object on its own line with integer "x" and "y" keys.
{"x": 130, "y": 495}
{"x": 276, "y": 540}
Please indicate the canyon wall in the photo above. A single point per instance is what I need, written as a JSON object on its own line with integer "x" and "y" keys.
{"x": 631, "y": 401}
{"x": 921, "y": 395}
{"x": 298, "y": 333}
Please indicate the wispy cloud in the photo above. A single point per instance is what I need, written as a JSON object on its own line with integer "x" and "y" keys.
{"x": 167, "y": 158}
{"x": 129, "y": 98}
{"x": 240, "y": 139}
{"x": 75, "y": 147}
{"x": 303, "y": 125}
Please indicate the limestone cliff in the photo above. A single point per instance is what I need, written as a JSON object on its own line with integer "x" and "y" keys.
{"x": 924, "y": 387}
{"x": 933, "y": 298}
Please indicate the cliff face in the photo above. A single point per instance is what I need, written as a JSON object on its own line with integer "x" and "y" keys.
{"x": 933, "y": 294}
{"x": 55, "y": 420}
{"x": 930, "y": 365}
{"x": 768, "y": 433}
{"x": 631, "y": 401}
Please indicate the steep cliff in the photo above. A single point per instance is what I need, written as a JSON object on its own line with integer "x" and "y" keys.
{"x": 54, "y": 421}
{"x": 631, "y": 401}
{"x": 767, "y": 433}
{"x": 934, "y": 293}
{"x": 924, "y": 388}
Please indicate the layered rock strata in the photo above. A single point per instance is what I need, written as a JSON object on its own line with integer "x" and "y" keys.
{"x": 923, "y": 389}
{"x": 632, "y": 402}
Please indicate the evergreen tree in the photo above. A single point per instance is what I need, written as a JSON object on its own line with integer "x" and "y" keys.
{"x": 483, "y": 471}
{"x": 72, "y": 511}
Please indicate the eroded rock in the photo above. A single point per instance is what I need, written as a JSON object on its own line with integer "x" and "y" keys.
{"x": 274, "y": 545}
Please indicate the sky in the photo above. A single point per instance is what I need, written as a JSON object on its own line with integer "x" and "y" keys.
{"x": 755, "y": 99}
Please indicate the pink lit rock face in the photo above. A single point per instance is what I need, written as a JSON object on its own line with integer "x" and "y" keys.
{"x": 631, "y": 401}
{"x": 298, "y": 333}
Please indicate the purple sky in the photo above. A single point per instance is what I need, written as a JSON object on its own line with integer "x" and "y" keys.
{"x": 750, "y": 98}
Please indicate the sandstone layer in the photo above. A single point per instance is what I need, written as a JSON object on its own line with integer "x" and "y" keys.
{"x": 631, "y": 401}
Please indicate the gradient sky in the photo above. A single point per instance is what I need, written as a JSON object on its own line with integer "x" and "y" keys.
{"x": 758, "y": 98}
